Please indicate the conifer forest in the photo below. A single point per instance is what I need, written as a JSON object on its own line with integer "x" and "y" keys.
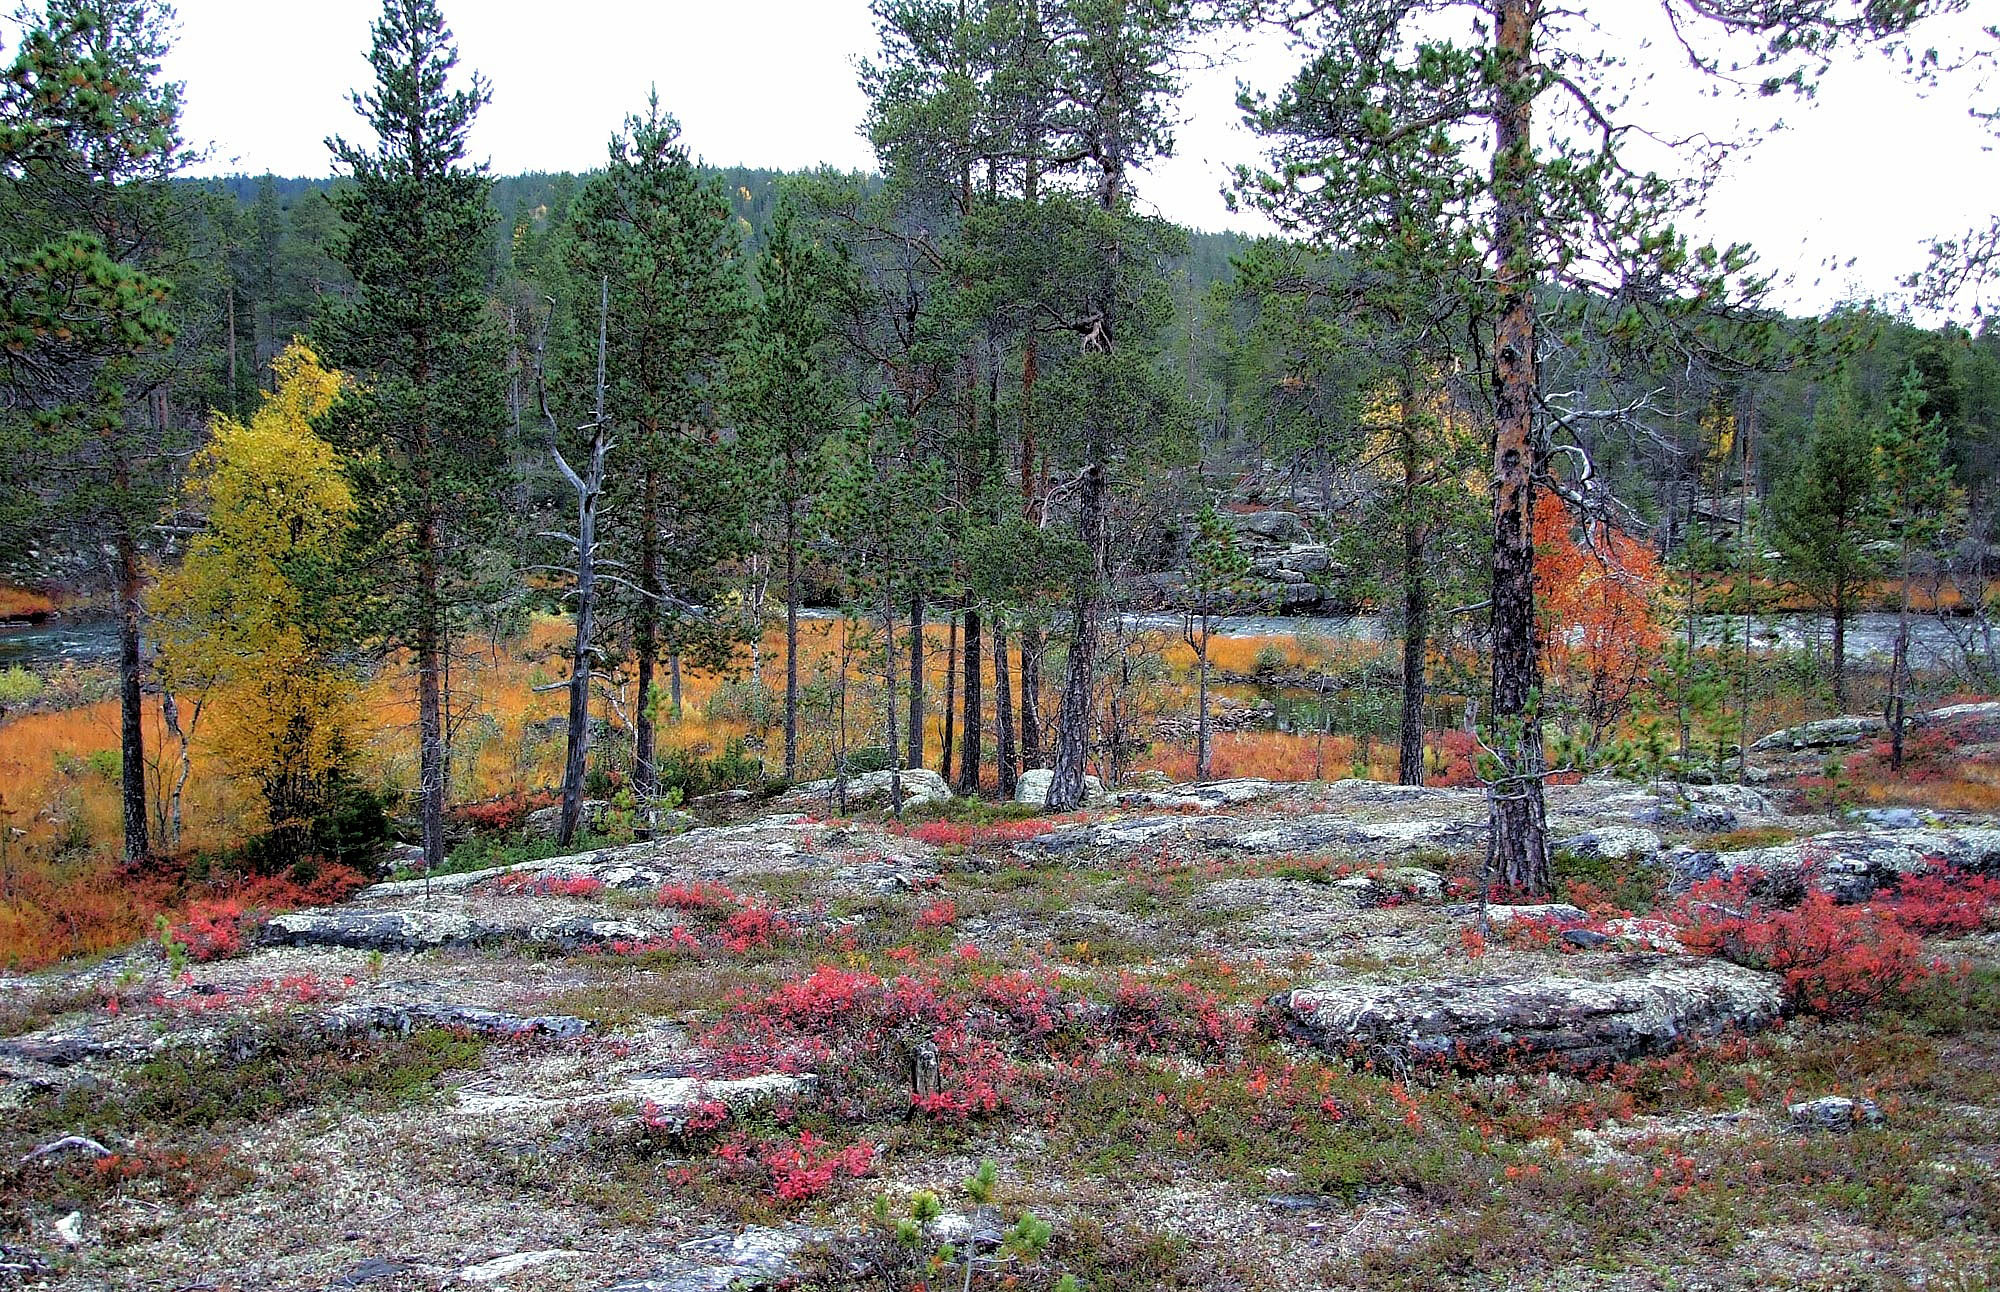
{"x": 677, "y": 725}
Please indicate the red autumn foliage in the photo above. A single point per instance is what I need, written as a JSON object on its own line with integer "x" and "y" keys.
{"x": 212, "y": 928}
{"x": 1594, "y": 606}
{"x": 940, "y": 914}
{"x": 505, "y": 813}
{"x": 551, "y": 885}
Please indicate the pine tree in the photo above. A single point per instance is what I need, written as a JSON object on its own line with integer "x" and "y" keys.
{"x": 417, "y": 337}
{"x": 1827, "y": 518}
{"x": 89, "y": 138}
{"x": 662, "y": 236}
{"x": 1918, "y": 496}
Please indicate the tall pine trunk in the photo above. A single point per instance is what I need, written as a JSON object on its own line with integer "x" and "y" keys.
{"x": 1840, "y": 599}
{"x": 972, "y": 755}
{"x": 791, "y": 621}
{"x": 430, "y": 696}
{"x": 1066, "y": 785}
{"x": 1416, "y": 606}
{"x": 646, "y": 641}
{"x": 1003, "y": 713}
{"x": 888, "y": 612}
{"x": 588, "y": 487}
{"x": 131, "y": 701}
{"x": 950, "y": 698}
{"x": 1519, "y": 843}
{"x": 916, "y": 737}
{"x": 1031, "y": 696}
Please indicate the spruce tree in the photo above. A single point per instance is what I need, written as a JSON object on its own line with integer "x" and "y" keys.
{"x": 417, "y": 336}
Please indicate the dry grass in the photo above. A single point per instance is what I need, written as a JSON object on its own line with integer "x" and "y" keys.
{"x": 18, "y": 603}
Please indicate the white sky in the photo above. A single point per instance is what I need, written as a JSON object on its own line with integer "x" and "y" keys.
{"x": 1868, "y": 171}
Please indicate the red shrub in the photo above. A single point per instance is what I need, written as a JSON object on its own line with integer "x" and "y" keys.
{"x": 1945, "y": 902}
{"x": 938, "y": 915}
{"x": 1834, "y": 959}
{"x": 551, "y": 885}
{"x": 505, "y": 813}
{"x": 701, "y": 897}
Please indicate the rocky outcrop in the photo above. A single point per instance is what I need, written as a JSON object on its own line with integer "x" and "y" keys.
{"x": 872, "y": 789}
{"x": 1850, "y": 865}
{"x": 1634, "y": 1005}
{"x": 375, "y": 1016}
{"x": 1835, "y": 1113}
{"x": 1827, "y": 733}
{"x": 1033, "y": 787}
{"x": 425, "y": 930}
{"x": 1613, "y": 843}
{"x": 1328, "y": 832}
{"x": 755, "y": 1259}
{"x": 1205, "y": 796}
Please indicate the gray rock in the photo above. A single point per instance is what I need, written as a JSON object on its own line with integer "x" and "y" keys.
{"x": 1952, "y": 714}
{"x": 1850, "y": 865}
{"x": 1033, "y": 787}
{"x": 1613, "y": 843}
{"x": 545, "y": 823}
{"x": 1632, "y": 1005}
{"x": 1835, "y": 1113}
{"x": 757, "y": 1258}
{"x": 1320, "y": 833}
{"x": 1396, "y": 883}
{"x": 406, "y": 1018}
{"x": 1538, "y": 912}
{"x": 404, "y": 930}
{"x": 1827, "y": 733}
{"x": 1585, "y": 939}
{"x": 1278, "y": 526}
{"x": 1102, "y": 835}
{"x": 1205, "y": 796}
{"x": 871, "y": 789}
{"x": 1888, "y": 818}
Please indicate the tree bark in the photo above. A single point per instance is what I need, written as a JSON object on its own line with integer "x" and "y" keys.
{"x": 972, "y": 754}
{"x": 1840, "y": 598}
{"x": 1003, "y": 713}
{"x": 1520, "y": 852}
{"x": 1066, "y": 785}
{"x": 1416, "y": 606}
{"x": 950, "y": 698}
{"x": 589, "y": 487}
{"x": 791, "y": 621}
{"x": 916, "y": 737}
{"x": 889, "y": 702}
{"x": 131, "y": 700}
{"x": 1031, "y": 696}
{"x": 646, "y": 641}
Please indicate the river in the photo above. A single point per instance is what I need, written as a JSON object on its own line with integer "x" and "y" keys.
{"x": 1869, "y": 636}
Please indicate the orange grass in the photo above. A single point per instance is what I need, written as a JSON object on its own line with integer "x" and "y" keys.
{"x": 18, "y": 603}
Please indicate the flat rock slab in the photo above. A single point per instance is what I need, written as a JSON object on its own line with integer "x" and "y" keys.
{"x": 419, "y": 929}
{"x": 1205, "y": 796}
{"x": 403, "y": 1019}
{"x": 757, "y": 1258}
{"x": 1827, "y": 733}
{"x": 1850, "y": 865}
{"x": 674, "y": 1099}
{"x": 1328, "y": 833}
{"x": 1634, "y": 1005}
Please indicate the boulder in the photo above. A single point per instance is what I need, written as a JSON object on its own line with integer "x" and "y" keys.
{"x": 424, "y": 930}
{"x": 406, "y": 1018}
{"x": 871, "y": 789}
{"x": 1849, "y": 865}
{"x": 545, "y": 823}
{"x": 1708, "y": 809}
{"x": 1325, "y": 832}
{"x": 1953, "y": 714}
{"x": 1393, "y": 885}
{"x": 1033, "y": 787}
{"x": 1276, "y": 526}
{"x": 1834, "y": 1113}
{"x": 1532, "y": 913}
{"x": 1131, "y": 832}
{"x": 1205, "y": 796}
{"x": 1613, "y": 843}
{"x": 1632, "y": 1005}
{"x": 1827, "y": 733}
{"x": 757, "y": 1258}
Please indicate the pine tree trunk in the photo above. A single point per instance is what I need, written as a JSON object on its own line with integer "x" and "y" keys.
{"x": 131, "y": 702}
{"x": 430, "y": 698}
{"x": 646, "y": 642}
{"x": 888, "y": 611}
{"x": 1899, "y": 670}
{"x": 1416, "y": 605}
{"x": 1840, "y": 647}
{"x": 916, "y": 737}
{"x": 971, "y": 756}
{"x": 1003, "y": 713}
{"x": 791, "y": 627}
{"x": 674, "y": 681}
{"x": 950, "y": 698}
{"x": 1066, "y": 786}
{"x": 1203, "y": 758}
{"x": 1031, "y": 696}
{"x": 1520, "y": 850}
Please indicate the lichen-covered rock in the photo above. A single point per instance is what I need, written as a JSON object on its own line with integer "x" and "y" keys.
{"x": 1204, "y": 796}
{"x": 1130, "y": 832}
{"x": 872, "y": 789}
{"x": 365, "y": 930}
{"x": 1827, "y": 733}
{"x": 1326, "y": 832}
{"x": 379, "y": 1016}
{"x": 1958, "y": 714}
{"x": 1613, "y": 843}
{"x": 1033, "y": 787}
{"x": 1632, "y": 1005}
{"x": 1849, "y": 865}
{"x": 757, "y": 1258}
{"x": 1834, "y": 1113}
